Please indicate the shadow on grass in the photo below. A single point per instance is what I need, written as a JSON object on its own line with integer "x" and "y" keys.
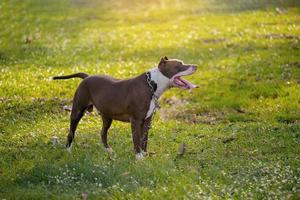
{"x": 87, "y": 172}
{"x": 15, "y": 113}
{"x": 36, "y": 26}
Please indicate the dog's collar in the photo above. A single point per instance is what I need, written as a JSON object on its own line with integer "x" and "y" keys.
{"x": 151, "y": 83}
{"x": 157, "y": 83}
{"x": 153, "y": 87}
{"x": 160, "y": 80}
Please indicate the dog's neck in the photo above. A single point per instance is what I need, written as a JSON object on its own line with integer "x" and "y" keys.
{"x": 160, "y": 80}
{"x": 161, "y": 83}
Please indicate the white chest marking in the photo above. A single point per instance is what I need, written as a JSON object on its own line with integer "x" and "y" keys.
{"x": 151, "y": 108}
{"x": 162, "y": 84}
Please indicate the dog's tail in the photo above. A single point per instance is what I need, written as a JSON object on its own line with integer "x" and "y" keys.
{"x": 77, "y": 75}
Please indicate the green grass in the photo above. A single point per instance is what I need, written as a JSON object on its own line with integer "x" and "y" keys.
{"x": 248, "y": 54}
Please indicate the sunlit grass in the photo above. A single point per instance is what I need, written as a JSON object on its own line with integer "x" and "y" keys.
{"x": 248, "y": 57}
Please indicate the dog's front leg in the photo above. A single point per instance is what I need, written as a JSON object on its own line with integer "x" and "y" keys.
{"x": 136, "y": 128}
{"x": 146, "y": 127}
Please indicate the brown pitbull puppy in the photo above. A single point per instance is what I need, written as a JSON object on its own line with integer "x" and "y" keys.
{"x": 132, "y": 100}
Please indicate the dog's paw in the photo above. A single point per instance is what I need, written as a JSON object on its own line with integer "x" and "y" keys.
{"x": 109, "y": 150}
{"x": 69, "y": 149}
{"x": 145, "y": 153}
{"x": 139, "y": 156}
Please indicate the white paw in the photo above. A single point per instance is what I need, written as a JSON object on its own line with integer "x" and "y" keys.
{"x": 145, "y": 153}
{"x": 69, "y": 149}
{"x": 109, "y": 150}
{"x": 139, "y": 156}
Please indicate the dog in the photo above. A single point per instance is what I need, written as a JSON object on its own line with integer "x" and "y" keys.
{"x": 132, "y": 100}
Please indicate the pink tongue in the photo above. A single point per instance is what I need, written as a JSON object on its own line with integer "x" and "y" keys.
{"x": 191, "y": 86}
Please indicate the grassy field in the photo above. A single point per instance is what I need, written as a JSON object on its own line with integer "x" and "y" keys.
{"x": 241, "y": 127}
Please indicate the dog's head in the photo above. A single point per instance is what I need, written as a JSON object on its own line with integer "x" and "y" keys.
{"x": 174, "y": 69}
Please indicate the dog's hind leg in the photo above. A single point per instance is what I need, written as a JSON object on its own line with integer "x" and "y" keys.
{"x": 106, "y": 121}
{"x": 80, "y": 104}
{"x": 75, "y": 118}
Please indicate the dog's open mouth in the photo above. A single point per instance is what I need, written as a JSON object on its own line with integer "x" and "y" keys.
{"x": 182, "y": 83}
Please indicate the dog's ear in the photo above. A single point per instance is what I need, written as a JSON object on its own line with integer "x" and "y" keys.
{"x": 163, "y": 61}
